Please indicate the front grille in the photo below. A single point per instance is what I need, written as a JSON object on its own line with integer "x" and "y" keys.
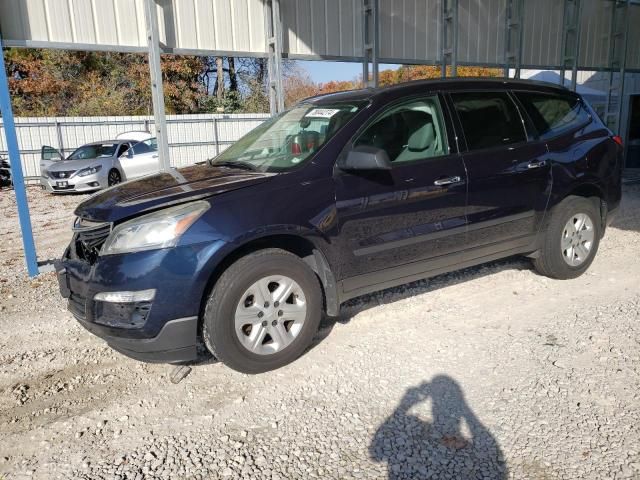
{"x": 65, "y": 174}
{"x": 89, "y": 238}
{"x": 78, "y": 305}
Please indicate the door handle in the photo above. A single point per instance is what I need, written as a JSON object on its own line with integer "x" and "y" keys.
{"x": 447, "y": 181}
{"x": 536, "y": 164}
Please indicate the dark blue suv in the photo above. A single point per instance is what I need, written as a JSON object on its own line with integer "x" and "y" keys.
{"x": 342, "y": 195}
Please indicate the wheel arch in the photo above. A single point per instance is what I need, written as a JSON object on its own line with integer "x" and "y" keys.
{"x": 300, "y": 246}
{"x": 594, "y": 192}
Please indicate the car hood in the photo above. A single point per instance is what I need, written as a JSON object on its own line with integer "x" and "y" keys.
{"x": 73, "y": 165}
{"x": 164, "y": 189}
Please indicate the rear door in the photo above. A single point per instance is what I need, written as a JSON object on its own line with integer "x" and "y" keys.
{"x": 394, "y": 224}
{"x": 509, "y": 173}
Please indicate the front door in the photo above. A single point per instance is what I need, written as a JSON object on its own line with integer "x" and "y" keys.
{"x": 399, "y": 223}
{"x": 509, "y": 173}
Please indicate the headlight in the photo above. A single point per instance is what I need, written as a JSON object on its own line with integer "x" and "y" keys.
{"x": 89, "y": 170}
{"x": 159, "y": 229}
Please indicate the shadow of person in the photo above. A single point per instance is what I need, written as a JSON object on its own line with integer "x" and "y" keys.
{"x": 454, "y": 445}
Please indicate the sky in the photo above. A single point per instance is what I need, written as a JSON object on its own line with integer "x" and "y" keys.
{"x": 325, "y": 71}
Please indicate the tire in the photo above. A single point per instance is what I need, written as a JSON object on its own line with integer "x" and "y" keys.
{"x": 114, "y": 177}
{"x": 235, "y": 299}
{"x": 561, "y": 263}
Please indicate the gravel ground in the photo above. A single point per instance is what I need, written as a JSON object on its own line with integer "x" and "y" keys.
{"x": 491, "y": 372}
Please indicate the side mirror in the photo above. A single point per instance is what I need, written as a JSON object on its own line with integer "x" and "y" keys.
{"x": 130, "y": 153}
{"x": 366, "y": 158}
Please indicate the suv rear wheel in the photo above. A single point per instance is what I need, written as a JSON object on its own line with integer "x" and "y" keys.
{"x": 263, "y": 311}
{"x": 571, "y": 241}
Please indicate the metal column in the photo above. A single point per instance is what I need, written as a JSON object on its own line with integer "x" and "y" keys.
{"x": 157, "y": 92}
{"x": 449, "y": 37}
{"x": 370, "y": 32}
{"x": 273, "y": 29}
{"x": 618, "y": 40}
{"x": 513, "y": 37}
{"x": 570, "y": 41}
{"x": 16, "y": 171}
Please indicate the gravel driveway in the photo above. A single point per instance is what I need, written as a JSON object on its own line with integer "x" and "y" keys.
{"x": 491, "y": 372}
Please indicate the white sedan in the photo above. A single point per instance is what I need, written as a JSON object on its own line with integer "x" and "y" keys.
{"x": 100, "y": 164}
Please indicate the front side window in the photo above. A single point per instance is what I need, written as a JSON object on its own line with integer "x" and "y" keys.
{"x": 489, "y": 119}
{"x": 94, "y": 151}
{"x": 408, "y": 132}
{"x": 123, "y": 149}
{"x": 553, "y": 114}
{"x": 290, "y": 138}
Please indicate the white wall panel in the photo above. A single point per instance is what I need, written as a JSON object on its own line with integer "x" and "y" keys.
{"x": 322, "y": 27}
{"x": 409, "y": 29}
{"x": 481, "y": 30}
{"x": 633, "y": 52}
{"x": 542, "y": 33}
{"x": 595, "y": 24}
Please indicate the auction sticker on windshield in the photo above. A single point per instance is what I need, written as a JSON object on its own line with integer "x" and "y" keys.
{"x": 322, "y": 112}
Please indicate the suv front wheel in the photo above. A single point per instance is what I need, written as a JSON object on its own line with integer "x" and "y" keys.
{"x": 263, "y": 311}
{"x": 571, "y": 241}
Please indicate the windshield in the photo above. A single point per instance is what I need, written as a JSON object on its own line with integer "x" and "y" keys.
{"x": 94, "y": 151}
{"x": 288, "y": 139}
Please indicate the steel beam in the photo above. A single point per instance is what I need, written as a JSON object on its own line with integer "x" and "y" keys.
{"x": 513, "y": 37}
{"x": 370, "y": 43}
{"x": 618, "y": 45}
{"x": 570, "y": 49}
{"x": 30, "y": 256}
{"x": 273, "y": 30}
{"x": 157, "y": 92}
{"x": 449, "y": 37}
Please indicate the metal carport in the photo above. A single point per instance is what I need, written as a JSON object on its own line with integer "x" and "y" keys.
{"x": 567, "y": 35}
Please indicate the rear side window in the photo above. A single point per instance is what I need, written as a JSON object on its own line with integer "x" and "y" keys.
{"x": 553, "y": 114}
{"x": 489, "y": 119}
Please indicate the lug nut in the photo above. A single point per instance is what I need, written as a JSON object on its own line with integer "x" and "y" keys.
{"x": 276, "y": 304}
{"x": 260, "y": 314}
{"x": 274, "y": 323}
{"x": 280, "y": 313}
{"x": 266, "y": 304}
{"x": 264, "y": 323}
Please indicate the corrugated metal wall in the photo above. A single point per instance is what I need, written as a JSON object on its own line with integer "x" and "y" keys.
{"x": 542, "y": 32}
{"x": 322, "y": 27}
{"x": 633, "y": 52}
{"x": 192, "y": 138}
{"x": 211, "y": 25}
{"x": 481, "y": 30}
{"x": 409, "y": 29}
{"x": 594, "y": 32}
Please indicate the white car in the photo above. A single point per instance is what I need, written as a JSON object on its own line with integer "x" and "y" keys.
{"x": 100, "y": 164}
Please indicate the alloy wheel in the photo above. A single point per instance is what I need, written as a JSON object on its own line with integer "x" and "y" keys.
{"x": 577, "y": 239}
{"x": 114, "y": 177}
{"x": 270, "y": 314}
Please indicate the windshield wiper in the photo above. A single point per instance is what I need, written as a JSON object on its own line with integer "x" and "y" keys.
{"x": 232, "y": 164}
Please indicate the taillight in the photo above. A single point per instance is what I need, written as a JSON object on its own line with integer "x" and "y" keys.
{"x": 617, "y": 139}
